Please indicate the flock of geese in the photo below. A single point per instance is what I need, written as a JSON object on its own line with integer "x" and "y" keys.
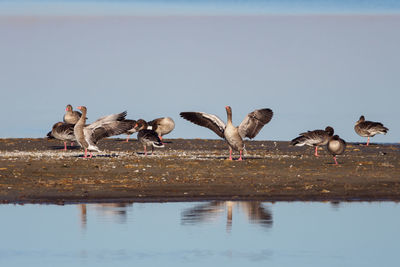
{"x": 74, "y": 129}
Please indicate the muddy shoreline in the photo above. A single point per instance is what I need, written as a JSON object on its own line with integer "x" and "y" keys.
{"x": 39, "y": 171}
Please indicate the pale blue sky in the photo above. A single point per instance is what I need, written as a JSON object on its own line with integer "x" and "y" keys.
{"x": 195, "y": 7}
{"x": 313, "y": 70}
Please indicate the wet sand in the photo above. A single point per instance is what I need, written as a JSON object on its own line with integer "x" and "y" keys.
{"x": 39, "y": 171}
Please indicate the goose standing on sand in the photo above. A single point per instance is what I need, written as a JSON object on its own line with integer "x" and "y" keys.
{"x": 369, "y": 128}
{"x": 147, "y": 137}
{"x": 71, "y": 116}
{"x": 62, "y": 131}
{"x": 88, "y": 135}
{"x": 249, "y": 127}
{"x": 336, "y": 146}
{"x": 162, "y": 126}
{"x": 314, "y": 138}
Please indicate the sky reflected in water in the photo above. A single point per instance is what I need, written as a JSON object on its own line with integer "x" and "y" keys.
{"x": 199, "y": 234}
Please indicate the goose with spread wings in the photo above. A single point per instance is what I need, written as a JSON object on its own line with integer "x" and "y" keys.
{"x": 250, "y": 126}
{"x": 88, "y": 135}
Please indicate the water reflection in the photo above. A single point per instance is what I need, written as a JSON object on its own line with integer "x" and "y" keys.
{"x": 116, "y": 212}
{"x": 255, "y": 211}
{"x": 335, "y": 205}
{"x": 189, "y": 234}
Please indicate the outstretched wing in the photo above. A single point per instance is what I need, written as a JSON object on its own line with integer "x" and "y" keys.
{"x": 254, "y": 121}
{"x": 107, "y": 126}
{"x": 113, "y": 117}
{"x": 210, "y": 121}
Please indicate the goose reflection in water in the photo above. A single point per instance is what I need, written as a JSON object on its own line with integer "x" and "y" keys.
{"x": 116, "y": 212}
{"x": 256, "y": 212}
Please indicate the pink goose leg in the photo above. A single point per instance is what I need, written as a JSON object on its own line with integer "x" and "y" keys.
{"x": 230, "y": 154}
{"x": 316, "y": 151}
{"x": 127, "y": 138}
{"x": 334, "y": 157}
{"x": 240, "y": 158}
{"x": 65, "y": 146}
{"x": 367, "y": 141}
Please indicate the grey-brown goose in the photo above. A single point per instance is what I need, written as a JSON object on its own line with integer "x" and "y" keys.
{"x": 314, "y": 138}
{"x": 88, "y": 135}
{"x": 336, "y": 146}
{"x": 71, "y": 116}
{"x": 249, "y": 127}
{"x": 62, "y": 131}
{"x": 162, "y": 126}
{"x": 147, "y": 137}
{"x": 369, "y": 128}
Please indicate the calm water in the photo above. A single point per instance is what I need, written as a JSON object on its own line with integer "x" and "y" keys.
{"x": 201, "y": 234}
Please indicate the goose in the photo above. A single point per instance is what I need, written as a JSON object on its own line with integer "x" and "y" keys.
{"x": 369, "y": 128}
{"x": 249, "y": 127}
{"x": 336, "y": 146}
{"x": 130, "y": 131}
{"x": 162, "y": 126}
{"x": 62, "y": 131}
{"x": 88, "y": 135}
{"x": 147, "y": 137}
{"x": 71, "y": 116}
{"x": 314, "y": 138}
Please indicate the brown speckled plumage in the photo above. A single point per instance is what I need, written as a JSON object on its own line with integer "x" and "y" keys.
{"x": 369, "y": 128}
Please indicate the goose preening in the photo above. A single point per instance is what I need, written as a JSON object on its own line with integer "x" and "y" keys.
{"x": 88, "y": 135}
{"x": 369, "y": 128}
{"x": 314, "y": 138}
{"x": 336, "y": 146}
{"x": 62, "y": 131}
{"x": 162, "y": 126}
{"x": 130, "y": 131}
{"x": 147, "y": 137}
{"x": 71, "y": 116}
{"x": 249, "y": 127}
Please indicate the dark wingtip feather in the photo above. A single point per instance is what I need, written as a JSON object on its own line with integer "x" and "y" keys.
{"x": 190, "y": 116}
{"x": 297, "y": 140}
{"x": 50, "y": 135}
{"x": 184, "y": 114}
{"x": 266, "y": 115}
{"x": 122, "y": 115}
